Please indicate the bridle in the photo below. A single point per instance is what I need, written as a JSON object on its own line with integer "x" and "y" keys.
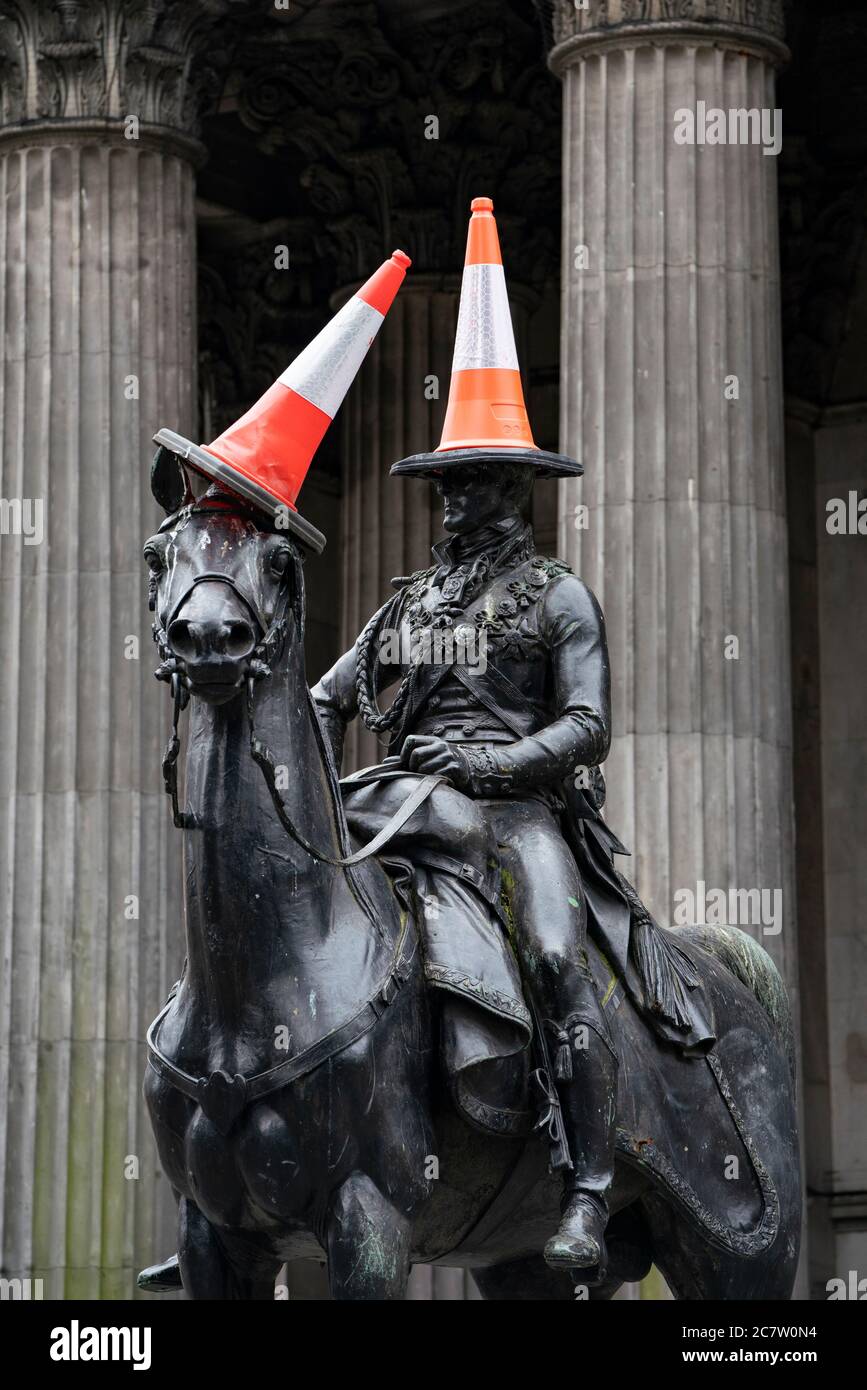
{"x": 265, "y": 650}
{"x": 258, "y": 665}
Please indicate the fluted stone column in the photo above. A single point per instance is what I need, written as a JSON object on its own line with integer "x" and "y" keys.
{"x": 671, "y": 394}
{"x": 97, "y": 318}
{"x": 685, "y": 535}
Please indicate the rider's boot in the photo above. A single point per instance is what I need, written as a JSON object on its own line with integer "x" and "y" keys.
{"x": 586, "y": 1072}
{"x": 161, "y": 1278}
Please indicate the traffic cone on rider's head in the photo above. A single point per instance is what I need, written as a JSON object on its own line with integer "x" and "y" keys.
{"x": 486, "y": 418}
{"x": 486, "y": 399}
{"x": 264, "y": 456}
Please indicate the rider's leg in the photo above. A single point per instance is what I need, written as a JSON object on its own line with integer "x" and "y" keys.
{"x": 549, "y": 913}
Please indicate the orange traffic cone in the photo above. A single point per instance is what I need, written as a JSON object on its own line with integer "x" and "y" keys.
{"x": 264, "y": 456}
{"x": 486, "y": 418}
{"x": 486, "y": 399}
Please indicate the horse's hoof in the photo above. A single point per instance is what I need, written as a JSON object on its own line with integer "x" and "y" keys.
{"x": 164, "y": 1278}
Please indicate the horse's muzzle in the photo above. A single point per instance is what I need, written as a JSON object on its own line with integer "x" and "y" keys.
{"x": 213, "y": 655}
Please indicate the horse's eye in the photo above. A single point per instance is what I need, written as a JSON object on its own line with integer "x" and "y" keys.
{"x": 153, "y": 559}
{"x": 279, "y": 562}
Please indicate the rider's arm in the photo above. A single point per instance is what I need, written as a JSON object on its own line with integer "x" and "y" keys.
{"x": 336, "y": 701}
{"x": 335, "y": 694}
{"x": 573, "y": 629}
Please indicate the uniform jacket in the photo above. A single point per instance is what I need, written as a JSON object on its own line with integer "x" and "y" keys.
{"x": 529, "y": 678}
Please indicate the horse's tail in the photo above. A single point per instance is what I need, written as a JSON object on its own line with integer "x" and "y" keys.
{"x": 750, "y": 963}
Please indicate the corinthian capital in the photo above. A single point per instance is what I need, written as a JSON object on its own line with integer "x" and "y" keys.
{"x": 576, "y": 25}
{"x": 79, "y": 60}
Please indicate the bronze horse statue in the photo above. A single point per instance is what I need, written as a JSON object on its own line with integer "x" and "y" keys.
{"x": 294, "y": 1080}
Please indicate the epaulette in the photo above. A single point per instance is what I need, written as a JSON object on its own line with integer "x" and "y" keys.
{"x": 552, "y": 568}
{"x": 400, "y": 581}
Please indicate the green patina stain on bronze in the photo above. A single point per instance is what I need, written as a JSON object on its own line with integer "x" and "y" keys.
{"x": 612, "y": 977}
{"x": 528, "y": 960}
{"x": 751, "y": 964}
{"x": 507, "y": 893}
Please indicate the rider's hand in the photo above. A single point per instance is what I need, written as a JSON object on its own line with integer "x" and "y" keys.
{"x": 424, "y": 753}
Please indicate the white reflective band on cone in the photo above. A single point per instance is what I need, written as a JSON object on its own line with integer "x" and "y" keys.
{"x": 325, "y": 370}
{"x": 485, "y": 337}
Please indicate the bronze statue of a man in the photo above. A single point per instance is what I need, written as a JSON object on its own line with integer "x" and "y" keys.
{"x": 520, "y": 735}
{"x": 508, "y": 735}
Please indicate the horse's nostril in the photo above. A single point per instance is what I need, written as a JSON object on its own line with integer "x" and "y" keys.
{"x": 239, "y": 639}
{"x": 182, "y": 638}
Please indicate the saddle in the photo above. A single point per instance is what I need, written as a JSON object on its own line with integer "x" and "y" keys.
{"x": 449, "y": 854}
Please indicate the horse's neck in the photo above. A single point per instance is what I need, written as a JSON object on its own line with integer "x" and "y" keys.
{"x": 256, "y": 903}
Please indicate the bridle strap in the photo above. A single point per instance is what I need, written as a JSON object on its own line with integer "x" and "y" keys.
{"x": 213, "y": 577}
{"x": 182, "y": 820}
{"x": 262, "y": 652}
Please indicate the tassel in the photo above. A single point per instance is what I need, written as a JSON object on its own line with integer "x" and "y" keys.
{"x": 551, "y": 1120}
{"x": 563, "y": 1059}
{"x": 666, "y": 973}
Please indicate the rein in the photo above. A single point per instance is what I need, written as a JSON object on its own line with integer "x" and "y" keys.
{"x": 180, "y": 819}
{"x": 264, "y": 759}
{"x": 259, "y": 666}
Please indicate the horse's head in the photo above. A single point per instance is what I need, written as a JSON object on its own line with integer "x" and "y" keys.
{"x": 222, "y": 587}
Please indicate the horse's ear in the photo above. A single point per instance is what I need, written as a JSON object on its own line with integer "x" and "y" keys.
{"x": 168, "y": 480}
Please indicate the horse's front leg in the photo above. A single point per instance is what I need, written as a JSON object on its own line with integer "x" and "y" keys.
{"x": 204, "y": 1268}
{"x": 368, "y": 1243}
{"x": 207, "y": 1270}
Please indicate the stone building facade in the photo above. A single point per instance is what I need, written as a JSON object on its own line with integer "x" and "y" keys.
{"x": 185, "y": 190}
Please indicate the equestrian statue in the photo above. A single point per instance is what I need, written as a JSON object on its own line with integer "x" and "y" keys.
{"x": 423, "y": 1017}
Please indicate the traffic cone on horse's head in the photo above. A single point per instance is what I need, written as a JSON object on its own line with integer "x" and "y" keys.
{"x": 264, "y": 456}
{"x": 486, "y": 418}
